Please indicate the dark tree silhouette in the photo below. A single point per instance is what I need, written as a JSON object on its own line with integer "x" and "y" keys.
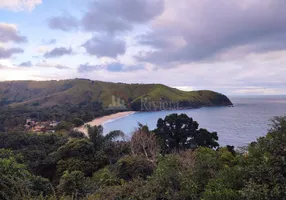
{"x": 179, "y": 132}
{"x": 99, "y": 140}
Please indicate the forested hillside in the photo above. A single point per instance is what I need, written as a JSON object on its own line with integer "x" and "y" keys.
{"x": 76, "y": 91}
{"x": 84, "y": 100}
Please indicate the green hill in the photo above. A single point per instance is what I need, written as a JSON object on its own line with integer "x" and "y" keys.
{"x": 76, "y": 91}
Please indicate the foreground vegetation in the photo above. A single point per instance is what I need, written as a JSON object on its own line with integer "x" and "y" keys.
{"x": 176, "y": 161}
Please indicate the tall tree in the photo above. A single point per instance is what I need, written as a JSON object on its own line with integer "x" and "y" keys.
{"x": 100, "y": 140}
{"x": 144, "y": 143}
{"x": 179, "y": 132}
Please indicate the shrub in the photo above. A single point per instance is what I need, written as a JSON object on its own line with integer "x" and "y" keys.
{"x": 131, "y": 167}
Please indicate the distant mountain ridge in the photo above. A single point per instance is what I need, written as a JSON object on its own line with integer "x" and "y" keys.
{"x": 76, "y": 91}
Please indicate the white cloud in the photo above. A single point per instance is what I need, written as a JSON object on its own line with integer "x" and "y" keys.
{"x": 16, "y": 74}
{"x": 194, "y": 31}
{"x": 6, "y": 63}
{"x": 232, "y": 48}
{"x": 185, "y": 88}
{"x": 19, "y": 5}
{"x": 46, "y": 64}
{"x": 9, "y": 33}
{"x": 39, "y": 71}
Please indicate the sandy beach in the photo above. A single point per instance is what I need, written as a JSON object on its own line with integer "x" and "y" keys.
{"x": 102, "y": 120}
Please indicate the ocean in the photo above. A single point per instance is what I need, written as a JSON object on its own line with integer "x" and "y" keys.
{"x": 238, "y": 125}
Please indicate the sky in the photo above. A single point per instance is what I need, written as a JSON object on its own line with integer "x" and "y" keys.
{"x": 233, "y": 47}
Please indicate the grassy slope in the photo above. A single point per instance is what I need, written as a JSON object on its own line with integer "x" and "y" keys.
{"x": 49, "y": 93}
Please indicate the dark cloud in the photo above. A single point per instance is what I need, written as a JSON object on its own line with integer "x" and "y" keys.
{"x": 64, "y": 23}
{"x": 202, "y": 30}
{"x": 7, "y": 53}
{"x": 105, "y": 46}
{"x": 157, "y": 41}
{"x": 88, "y": 68}
{"x": 112, "y": 15}
{"x": 102, "y": 22}
{"x": 111, "y": 67}
{"x": 43, "y": 64}
{"x": 58, "y": 52}
{"x": 9, "y": 33}
{"x": 26, "y": 64}
{"x": 105, "y": 18}
{"x": 49, "y": 42}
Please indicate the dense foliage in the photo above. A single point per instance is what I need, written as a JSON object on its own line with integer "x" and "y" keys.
{"x": 67, "y": 165}
{"x": 179, "y": 132}
{"x": 75, "y": 114}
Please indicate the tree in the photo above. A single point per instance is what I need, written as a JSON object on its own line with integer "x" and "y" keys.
{"x": 105, "y": 177}
{"x": 77, "y": 122}
{"x": 130, "y": 167}
{"x": 76, "y": 134}
{"x": 72, "y": 184}
{"x": 229, "y": 179}
{"x": 144, "y": 143}
{"x": 76, "y": 148}
{"x": 99, "y": 140}
{"x": 16, "y": 181}
{"x": 86, "y": 154}
{"x": 203, "y": 138}
{"x": 64, "y": 126}
{"x": 14, "y": 176}
{"x": 165, "y": 183}
{"x": 179, "y": 132}
{"x": 266, "y": 164}
{"x": 76, "y": 155}
{"x": 36, "y": 150}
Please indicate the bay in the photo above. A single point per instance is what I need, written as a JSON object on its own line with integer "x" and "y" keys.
{"x": 238, "y": 125}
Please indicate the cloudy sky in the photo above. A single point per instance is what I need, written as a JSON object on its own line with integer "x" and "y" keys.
{"x": 234, "y": 47}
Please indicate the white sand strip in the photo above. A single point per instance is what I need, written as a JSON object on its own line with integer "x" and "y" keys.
{"x": 104, "y": 119}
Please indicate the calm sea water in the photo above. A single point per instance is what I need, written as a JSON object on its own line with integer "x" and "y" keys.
{"x": 238, "y": 125}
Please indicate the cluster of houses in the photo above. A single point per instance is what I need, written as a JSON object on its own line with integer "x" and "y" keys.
{"x": 40, "y": 127}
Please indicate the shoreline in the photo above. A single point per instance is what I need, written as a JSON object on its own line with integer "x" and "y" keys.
{"x": 109, "y": 118}
{"x": 105, "y": 119}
